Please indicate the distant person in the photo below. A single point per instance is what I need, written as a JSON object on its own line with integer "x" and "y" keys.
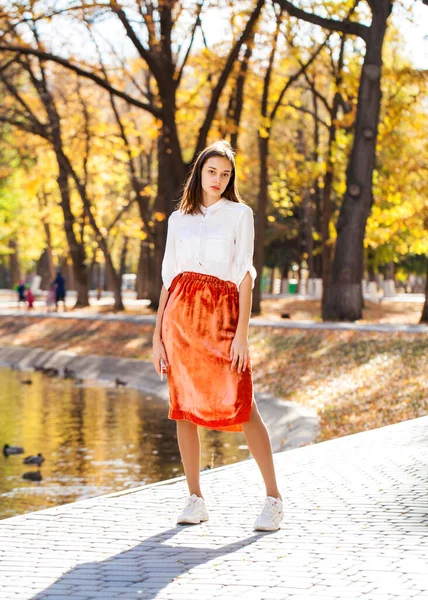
{"x": 51, "y": 297}
{"x": 59, "y": 281}
{"x": 30, "y": 299}
{"x": 20, "y": 289}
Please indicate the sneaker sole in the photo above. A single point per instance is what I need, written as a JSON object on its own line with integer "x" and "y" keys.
{"x": 190, "y": 522}
{"x": 262, "y": 528}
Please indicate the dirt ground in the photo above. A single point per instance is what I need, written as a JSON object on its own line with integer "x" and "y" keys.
{"x": 310, "y": 310}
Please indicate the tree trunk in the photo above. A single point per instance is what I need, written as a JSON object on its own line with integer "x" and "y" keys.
{"x": 115, "y": 280}
{"x": 46, "y": 267}
{"x": 53, "y": 131}
{"x": 43, "y": 270}
{"x": 343, "y": 298}
{"x": 326, "y": 211}
{"x": 142, "y": 286}
{"x": 260, "y": 222}
{"x": 424, "y": 316}
{"x": 123, "y": 256}
{"x": 315, "y": 268}
{"x": 308, "y": 220}
{"x": 237, "y": 96}
{"x": 170, "y": 180}
{"x": 14, "y": 269}
{"x": 390, "y": 271}
{"x": 141, "y": 271}
{"x": 77, "y": 250}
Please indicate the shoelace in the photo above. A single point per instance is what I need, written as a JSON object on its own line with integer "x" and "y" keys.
{"x": 270, "y": 509}
{"x": 192, "y": 500}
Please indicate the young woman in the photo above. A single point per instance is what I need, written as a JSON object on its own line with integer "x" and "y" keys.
{"x": 201, "y": 333}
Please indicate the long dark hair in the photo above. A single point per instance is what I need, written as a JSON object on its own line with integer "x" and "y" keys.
{"x": 191, "y": 199}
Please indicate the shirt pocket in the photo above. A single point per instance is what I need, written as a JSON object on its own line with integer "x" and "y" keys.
{"x": 217, "y": 247}
{"x": 184, "y": 244}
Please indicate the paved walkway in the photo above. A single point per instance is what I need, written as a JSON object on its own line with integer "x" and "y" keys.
{"x": 356, "y": 526}
{"x": 256, "y": 322}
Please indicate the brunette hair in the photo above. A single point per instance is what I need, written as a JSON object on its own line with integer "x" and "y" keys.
{"x": 191, "y": 199}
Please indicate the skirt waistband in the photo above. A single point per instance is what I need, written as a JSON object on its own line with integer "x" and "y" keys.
{"x": 211, "y": 279}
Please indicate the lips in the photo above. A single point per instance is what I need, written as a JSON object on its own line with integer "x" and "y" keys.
{"x": 213, "y": 187}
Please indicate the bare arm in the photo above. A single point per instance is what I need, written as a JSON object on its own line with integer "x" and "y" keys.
{"x": 239, "y": 350}
{"x": 245, "y": 301}
{"x": 162, "y": 302}
{"x": 158, "y": 347}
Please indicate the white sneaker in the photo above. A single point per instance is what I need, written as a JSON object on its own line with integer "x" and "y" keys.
{"x": 195, "y": 511}
{"x": 271, "y": 515}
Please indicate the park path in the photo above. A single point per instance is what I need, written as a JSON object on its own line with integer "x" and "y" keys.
{"x": 355, "y": 526}
{"x": 254, "y": 322}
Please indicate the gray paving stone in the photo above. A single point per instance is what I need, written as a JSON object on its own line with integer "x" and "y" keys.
{"x": 354, "y": 527}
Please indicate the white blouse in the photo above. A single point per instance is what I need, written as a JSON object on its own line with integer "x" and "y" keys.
{"x": 219, "y": 242}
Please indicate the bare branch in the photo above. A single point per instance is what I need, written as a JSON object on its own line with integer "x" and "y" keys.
{"x": 268, "y": 74}
{"x": 120, "y": 214}
{"x": 22, "y": 125}
{"x": 349, "y": 27}
{"x": 317, "y": 93}
{"x": 309, "y": 112}
{"x": 38, "y": 126}
{"x": 145, "y": 54}
{"x": 8, "y": 63}
{"x": 295, "y": 77}
{"x": 83, "y": 73}
{"x": 192, "y": 37}
{"x": 215, "y": 97}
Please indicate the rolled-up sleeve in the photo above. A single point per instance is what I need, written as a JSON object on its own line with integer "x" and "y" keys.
{"x": 169, "y": 262}
{"x": 244, "y": 248}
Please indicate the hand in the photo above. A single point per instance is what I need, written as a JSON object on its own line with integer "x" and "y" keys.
{"x": 240, "y": 353}
{"x": 158, "y": 353}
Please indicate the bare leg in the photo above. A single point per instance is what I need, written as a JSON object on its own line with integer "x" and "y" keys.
{"x": 190, "y": 451}
{"x": 260, "y": 447}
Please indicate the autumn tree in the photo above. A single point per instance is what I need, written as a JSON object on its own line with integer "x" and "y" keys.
{"x": 344, "y": 297}
{"x": 150, "y": 29}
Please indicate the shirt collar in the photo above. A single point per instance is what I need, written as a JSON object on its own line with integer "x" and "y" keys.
{"x": 215, "y": 206}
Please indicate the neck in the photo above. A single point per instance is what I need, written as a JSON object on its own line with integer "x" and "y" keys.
{"x": 208, "y": 199}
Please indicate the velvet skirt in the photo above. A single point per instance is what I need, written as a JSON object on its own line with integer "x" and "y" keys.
{"x": 198, "y": 326}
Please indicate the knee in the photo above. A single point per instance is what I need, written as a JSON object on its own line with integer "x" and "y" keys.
{"x": 184, "y": 425}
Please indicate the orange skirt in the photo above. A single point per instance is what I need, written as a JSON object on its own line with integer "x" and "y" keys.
{"x": 198, "y": 326}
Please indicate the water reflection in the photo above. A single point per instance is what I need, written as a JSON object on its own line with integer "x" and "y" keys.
{"x": 95, "y": 441}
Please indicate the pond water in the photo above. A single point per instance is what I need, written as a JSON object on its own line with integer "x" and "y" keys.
{"x": 95, "y": 440}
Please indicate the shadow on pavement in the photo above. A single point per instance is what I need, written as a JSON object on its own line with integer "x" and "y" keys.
{"x": 143, "y": 570}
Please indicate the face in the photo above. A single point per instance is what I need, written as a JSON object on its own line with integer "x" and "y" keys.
{"x": 216, "y": 174}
